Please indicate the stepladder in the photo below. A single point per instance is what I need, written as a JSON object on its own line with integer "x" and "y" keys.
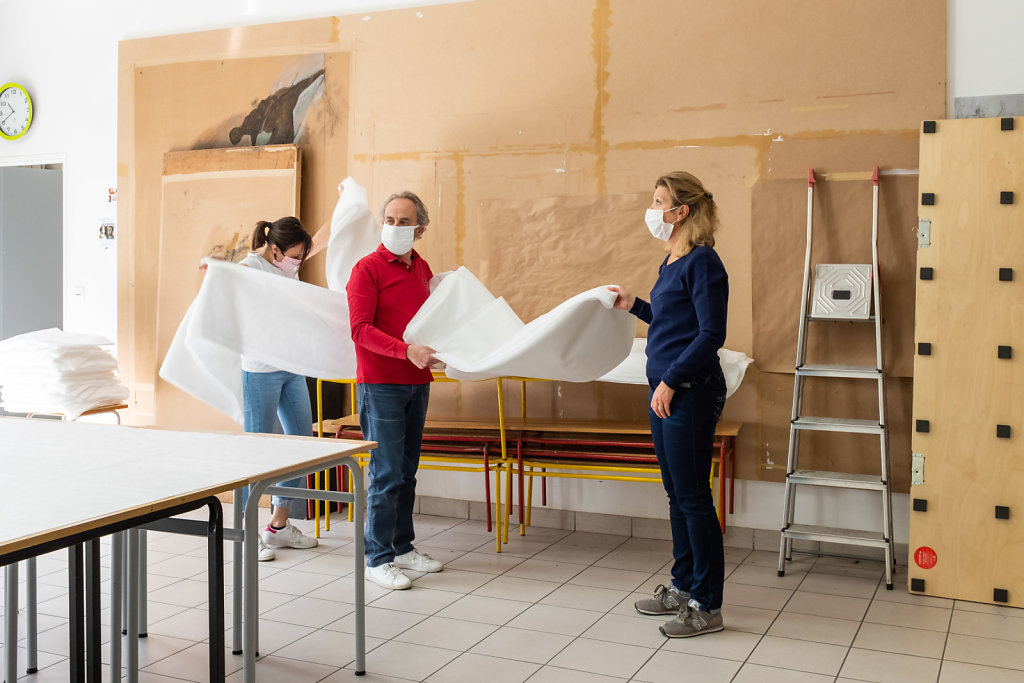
{"x": 834, "y": 293}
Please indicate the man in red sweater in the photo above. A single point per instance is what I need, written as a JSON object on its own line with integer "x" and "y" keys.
{"x": 385, "y": 290}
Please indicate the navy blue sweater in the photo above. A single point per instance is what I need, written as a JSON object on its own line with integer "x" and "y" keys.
{"x": 687, "y": 315}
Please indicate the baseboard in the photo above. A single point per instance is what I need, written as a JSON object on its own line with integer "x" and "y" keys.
{"x": 643, "y": 527}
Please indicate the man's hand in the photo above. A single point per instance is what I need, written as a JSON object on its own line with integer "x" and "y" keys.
{"x": 624, "y": 300}
{"x": 421, "y": 356}
{"x": 662, "y": 400}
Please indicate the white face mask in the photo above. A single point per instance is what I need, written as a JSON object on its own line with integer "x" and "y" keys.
{"x": 398, "y": 239}
{"x": 655, "y": 219}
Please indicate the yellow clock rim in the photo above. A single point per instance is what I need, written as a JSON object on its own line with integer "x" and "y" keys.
{"x": 28, "y": 124}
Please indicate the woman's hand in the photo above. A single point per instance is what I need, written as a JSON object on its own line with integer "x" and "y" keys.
{"x": 421, "y": 356}
{"x": 203, "y": 264}
{"x": 662, "y": 399}
{"x": 624, "y": 300}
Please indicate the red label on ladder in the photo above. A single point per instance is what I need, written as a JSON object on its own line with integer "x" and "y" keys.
{"x": 925, "y": 557}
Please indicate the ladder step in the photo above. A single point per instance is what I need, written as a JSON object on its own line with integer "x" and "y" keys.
{"x": 870, "y": 482}
{"x": 809, "y": 532}
{"x": 838, "y": 424}
{"x": 849, "y": 371}
{"x": 869, "y": 319}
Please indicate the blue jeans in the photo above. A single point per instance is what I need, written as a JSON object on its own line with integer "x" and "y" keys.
{"x": 683, "y": 443}
{"x": 392, "y": 415}
{"x": 278, "y": 403}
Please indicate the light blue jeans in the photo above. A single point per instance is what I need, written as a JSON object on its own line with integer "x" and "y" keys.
{"x": 392, "y": 415}
{"x": 278, "y": 403}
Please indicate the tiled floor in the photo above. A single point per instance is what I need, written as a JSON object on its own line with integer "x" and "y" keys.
{"x": 556, "y": 607}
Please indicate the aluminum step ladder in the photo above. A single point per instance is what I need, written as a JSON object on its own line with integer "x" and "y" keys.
{"x": 839, "y": 292}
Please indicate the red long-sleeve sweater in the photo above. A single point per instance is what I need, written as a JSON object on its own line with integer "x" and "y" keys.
{"x": 383, "y": 295}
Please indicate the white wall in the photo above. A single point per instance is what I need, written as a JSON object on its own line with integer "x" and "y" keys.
{"x": 985, "y": 52}
{"x": 65, "y": 53}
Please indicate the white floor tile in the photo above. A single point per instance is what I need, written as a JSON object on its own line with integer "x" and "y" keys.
{"x": 407, "y": 660}
{"x": 800, "y": 655}
{"x": 669, "y": 667}
{"x": 472, "y": 668}
{"x": 551, "y": 619}
{"x": 602, "y": 657}
{"x": 450, "y": 634}
{"x": 523, "y": 645}
{"x": 330, "y": 648}
{"x": 886, "y": 667}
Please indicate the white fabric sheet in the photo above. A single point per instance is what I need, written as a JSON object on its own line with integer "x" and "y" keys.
{"x": 633, "y": 370}
{"x": 309, "y": 334}
{"x": 479, "y": 336}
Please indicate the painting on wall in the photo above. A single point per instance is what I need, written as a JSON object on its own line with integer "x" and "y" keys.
{"x": 277, "y": 119}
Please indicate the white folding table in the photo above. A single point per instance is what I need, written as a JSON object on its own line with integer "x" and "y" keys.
{"x": 69, "y": 482}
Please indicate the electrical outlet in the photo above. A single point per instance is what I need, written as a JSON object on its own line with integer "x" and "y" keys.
{"x": 917, "y": 468}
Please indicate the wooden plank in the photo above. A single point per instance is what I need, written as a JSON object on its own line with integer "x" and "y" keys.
{"x": 211, "y": 201}
{"x": 962, "y": 389}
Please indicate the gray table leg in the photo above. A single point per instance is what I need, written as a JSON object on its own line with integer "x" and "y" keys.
{"x": 33, "y": 616}
{"x": 236, "y": 573}
{"x": 116, "y": 602}
{"x": 143, "y": 584}
{"x": 359, "y": 502}
{"x": 250, "y": 584}
{"x": 132, "y": 599}
{"x": 11, "y": 622}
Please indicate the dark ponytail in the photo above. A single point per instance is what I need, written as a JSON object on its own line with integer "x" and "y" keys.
{"x": 284, "y": 233}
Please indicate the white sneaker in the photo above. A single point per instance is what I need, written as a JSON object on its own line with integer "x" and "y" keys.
{"x": 418, "y": 562}
{"x": 265, "y": 552}
{"x": 388, "y": 576}
{"x": 288, "y": 537}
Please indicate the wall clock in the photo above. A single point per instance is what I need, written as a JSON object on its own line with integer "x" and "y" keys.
{"x": 15, "y": 111}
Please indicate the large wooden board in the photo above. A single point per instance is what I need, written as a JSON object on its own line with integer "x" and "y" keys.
{"x": 963, "y": 389}
{"x": 211, "y": 201}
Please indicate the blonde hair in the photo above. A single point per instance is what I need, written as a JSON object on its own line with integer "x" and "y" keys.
{"x": 699, "y": 226}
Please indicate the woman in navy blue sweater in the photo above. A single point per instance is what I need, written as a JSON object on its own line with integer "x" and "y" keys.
{"x": 687, "y": 318}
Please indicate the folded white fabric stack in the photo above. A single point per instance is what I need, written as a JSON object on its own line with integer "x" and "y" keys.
{"x": 50, "y": 371}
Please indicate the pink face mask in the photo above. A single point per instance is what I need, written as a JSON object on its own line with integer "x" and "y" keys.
{"x": 288, "y": 265}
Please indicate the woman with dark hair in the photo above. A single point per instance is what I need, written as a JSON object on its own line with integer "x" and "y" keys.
{"x": 687, "y": 318}
{"x": 277, "y": 401}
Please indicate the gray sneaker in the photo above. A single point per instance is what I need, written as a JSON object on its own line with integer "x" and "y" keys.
{"x": 665, "y": 601}
{"x": 692, "y": 621}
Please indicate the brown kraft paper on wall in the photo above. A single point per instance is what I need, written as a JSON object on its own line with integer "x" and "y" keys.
{"x": 828, "y": 451}
{"x": 842, "y": 234}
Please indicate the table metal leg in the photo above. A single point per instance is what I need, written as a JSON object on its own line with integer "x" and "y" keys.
{"x": 131, "y": 592}
{"x": 359, "y": 503}
{"x": 215, "y": 579}
{"x": 250, "y": 584}
{"x": 143, "y": 584}
{"x": 116, "y": 602}
{"x": 11, "y": 622}
{"x": 32, "y": 625}
{"x": 236, "y": 577}
{"x": 93, "y": 640}
{"x": 76, "y": 611}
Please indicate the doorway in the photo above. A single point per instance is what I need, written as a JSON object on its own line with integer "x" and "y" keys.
{"x": 31, "y": 248}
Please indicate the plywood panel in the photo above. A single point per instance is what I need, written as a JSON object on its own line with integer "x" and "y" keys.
{"x": 963, "y": 389}
{"x": 211, "y": 198}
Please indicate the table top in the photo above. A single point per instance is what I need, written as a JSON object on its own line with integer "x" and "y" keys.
{"x": 63, "y": 478}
